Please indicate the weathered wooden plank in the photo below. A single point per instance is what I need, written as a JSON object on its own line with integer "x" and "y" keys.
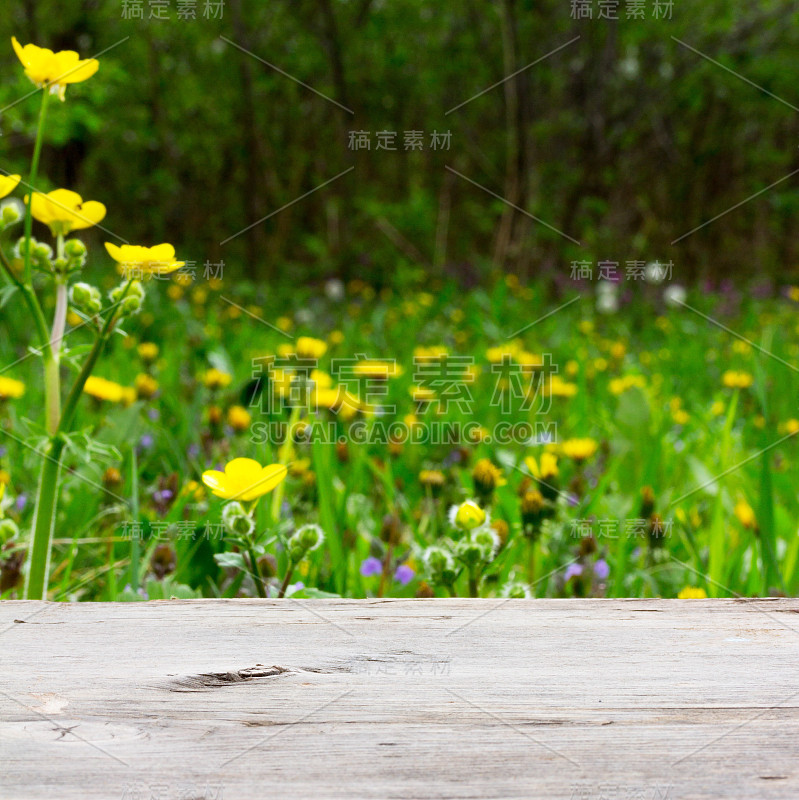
{"x": 399, "y": 698}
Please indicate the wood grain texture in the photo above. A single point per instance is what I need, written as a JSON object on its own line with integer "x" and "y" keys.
{"x": 577, "y": 699}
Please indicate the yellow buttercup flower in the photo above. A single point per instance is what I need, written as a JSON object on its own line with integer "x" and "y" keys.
{"x": 680, "y": 416}
{"x": 557, "y": 387}
{"x": 717, "y": 409}
{"x": 579, "y": 449}
{"x": 310, "y": 348}
{"x": 329, "y": 398}
{"x": 238, "y": 418}
{"x": 618, "y": 386}
{"x": 467, "y": 516}
{"x": 504, "y": 353}
{"x": 64, "y": 211}
{"x": 244, "y": 479}
{"x": 692, "y": 593}
{"x": 736, "y": 380}
{"x": 146, "y": 386}
{"x": 432, "y": 477}
{"x": 376, "y": 369}
{"x": 487, "y": 477}
{"x": 103, "y": 389}
{"x": 422, "y": 394}
{"x": 746, "y": 515}
{"x": 432, "y": 353}
{"x": 321, "y": 380}
{"x": 194, "y": 490}
{"x": 10, "y": 388}
{"x": 54, "y": 70}
{"x": 148, "y": 352}
{"x": 7, "y": 184}
{"x": 216, "y": 379}
{"x": 547, "y": 469}
{"x": 157, "y": 260}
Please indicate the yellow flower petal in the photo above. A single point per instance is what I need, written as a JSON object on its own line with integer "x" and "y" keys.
{"x": 8, "y": 183}
{"x": 113, "y": 251}
{"x": 64, "y": 211}
{"x": 242, "y": 468}
{"x": 244, "y": 479}
{"x": 56, "y": 70}
{"x": 162, "y": 252}
{"x": 271, "y": 476}
{"x": 91, "y": 213}
{"x": 158, "y": 260}
{"x": 82, "y": 72}
{"x": 214, "y": 480}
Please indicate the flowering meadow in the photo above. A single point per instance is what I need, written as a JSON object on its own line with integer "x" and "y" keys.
{"x": 170, "y": 428}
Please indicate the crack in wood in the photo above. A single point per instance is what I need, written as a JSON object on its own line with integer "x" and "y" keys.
{"x": 214, "y": 680}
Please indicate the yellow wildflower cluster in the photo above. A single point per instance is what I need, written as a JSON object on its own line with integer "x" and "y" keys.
{"x": 108, "y": 391}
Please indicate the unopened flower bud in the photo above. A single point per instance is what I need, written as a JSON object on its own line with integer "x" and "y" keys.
{"x": 236, "y": 520}
{"x": 93, "y": 306}
{"x": 471, "y": 554}
{"x": 74, "y": 249}
{"x": 467, "y": 516}
{"x": 304, "y": 541}
{"x": 10, "y": 214}
{"x": 131, "y": 305}
{"x": 80, "y": 294}
{"x": 42, "y": 251}
{"x": 439, "y": 565}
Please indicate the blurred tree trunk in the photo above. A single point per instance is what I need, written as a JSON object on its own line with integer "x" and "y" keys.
{"x": 517, "y": 178}
{"x": 338, "y": 208}
{"x": 251, "y": 146}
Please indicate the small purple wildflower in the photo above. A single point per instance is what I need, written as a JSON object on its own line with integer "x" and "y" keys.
{"x": 404, "y": 574}
{"x": 153, "y": 414}
{"x": 371, "y": 566}
{"x": 573, "y": 571}
{"x": 163, "y": 496}
{"x": 601, "y": 569}
{"x": 146, "y": 441}
{"x": 21, "y": 502}
{"x": 454, "y": 457}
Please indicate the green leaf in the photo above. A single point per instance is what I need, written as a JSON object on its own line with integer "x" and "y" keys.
{"x": 231, "y": 560}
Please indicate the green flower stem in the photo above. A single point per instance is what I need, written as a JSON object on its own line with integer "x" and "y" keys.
{"x": 73, "y": 398}
{"x": 473, "y": 584}
{"x": 38, "y": 567}
{"x": 52, "y": 362}
{"x": 37, "y": 150}
{"x": 285, "y": 585}
{"x": 44, "y": 522}
{"x": 285, "y": 454}
{"x": 52, "y": 359}
{"x": 256, "y": 571}
{"x": 31, "y": 300}
{"x": 135, "y": 555}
